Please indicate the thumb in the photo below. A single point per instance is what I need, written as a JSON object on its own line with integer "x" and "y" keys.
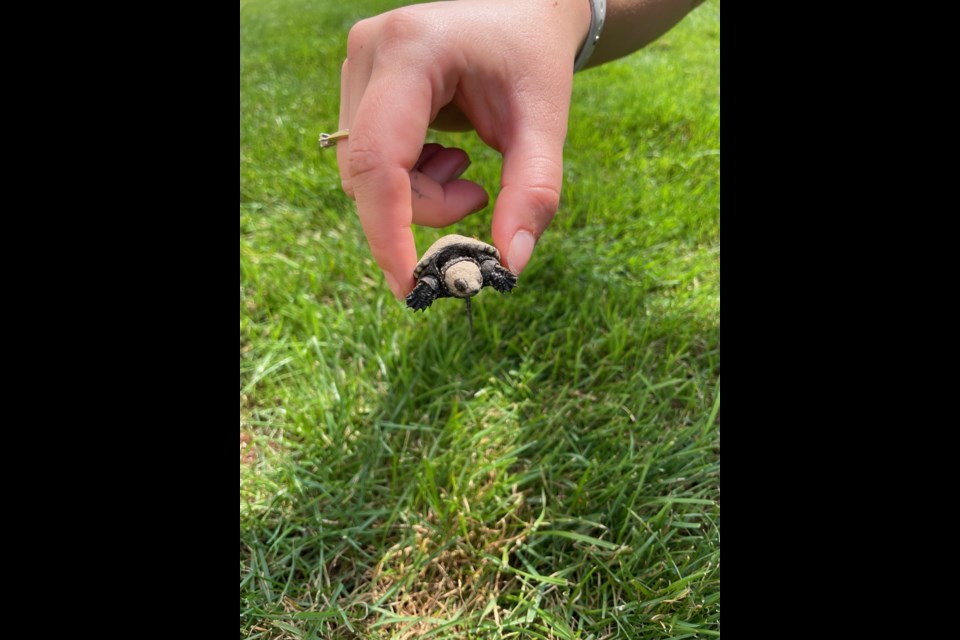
{"x": 530, "y": 193}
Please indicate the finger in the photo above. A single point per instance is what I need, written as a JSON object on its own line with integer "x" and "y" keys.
{"x": 530, "y": 192}
{"x": 429, "y": 150}
{"x": 438, "y": 198}
{"x": 386, "y": 220}
{"x": 444, "y": 165}
{"x": 437, "y": 204}
{"x": 386, "y": 137}
{"x": 343, "y": 147}
{"x": 360, "y": 43}
{"x": 355, "y": 74}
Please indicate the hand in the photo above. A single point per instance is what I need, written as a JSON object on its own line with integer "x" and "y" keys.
{"x": 507, "y": 67}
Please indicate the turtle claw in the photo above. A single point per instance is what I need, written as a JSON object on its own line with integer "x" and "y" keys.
{"x": 502, "y": 279}
{"x": 421, "y": 297}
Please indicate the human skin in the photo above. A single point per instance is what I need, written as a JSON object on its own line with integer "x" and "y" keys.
{"x": 501, "y": 67}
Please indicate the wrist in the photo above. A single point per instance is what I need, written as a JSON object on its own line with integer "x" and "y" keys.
{"x": 572, "y": 17}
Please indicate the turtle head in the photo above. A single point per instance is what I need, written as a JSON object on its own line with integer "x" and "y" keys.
{"x": 463, "y": 279}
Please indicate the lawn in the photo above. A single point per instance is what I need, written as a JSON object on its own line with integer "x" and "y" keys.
{"x": 558, "y": 476}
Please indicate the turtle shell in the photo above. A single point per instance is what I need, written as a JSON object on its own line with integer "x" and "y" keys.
{"x": 453, "y": 246}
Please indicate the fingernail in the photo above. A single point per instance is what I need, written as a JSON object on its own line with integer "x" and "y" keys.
{"x": 521, "y": 248}
{"x": 394, "y": 285}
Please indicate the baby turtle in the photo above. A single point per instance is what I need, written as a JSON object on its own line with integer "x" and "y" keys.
{"x": 457, "y": 266}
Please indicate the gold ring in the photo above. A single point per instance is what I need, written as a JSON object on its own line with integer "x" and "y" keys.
{"x": 331, "y": 139}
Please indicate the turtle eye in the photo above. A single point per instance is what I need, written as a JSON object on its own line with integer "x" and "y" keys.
{"x": 461, "y": 285}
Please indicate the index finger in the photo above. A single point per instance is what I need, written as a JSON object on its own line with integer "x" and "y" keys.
{"x": 386, "y": 136}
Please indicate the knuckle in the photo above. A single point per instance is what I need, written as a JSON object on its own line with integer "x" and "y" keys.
{"x": 400, "y": 24}
{"x": 363, "y": 161}
{"x": 359, "y": 36}
{"x": 545, "y": 199}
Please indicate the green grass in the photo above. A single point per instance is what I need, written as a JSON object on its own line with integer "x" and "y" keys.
{"x": 556, "y": 477}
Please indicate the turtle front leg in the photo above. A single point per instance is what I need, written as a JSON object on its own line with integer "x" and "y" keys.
{"x": 423, "y": 294}
{"x": 496, "y": 276}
